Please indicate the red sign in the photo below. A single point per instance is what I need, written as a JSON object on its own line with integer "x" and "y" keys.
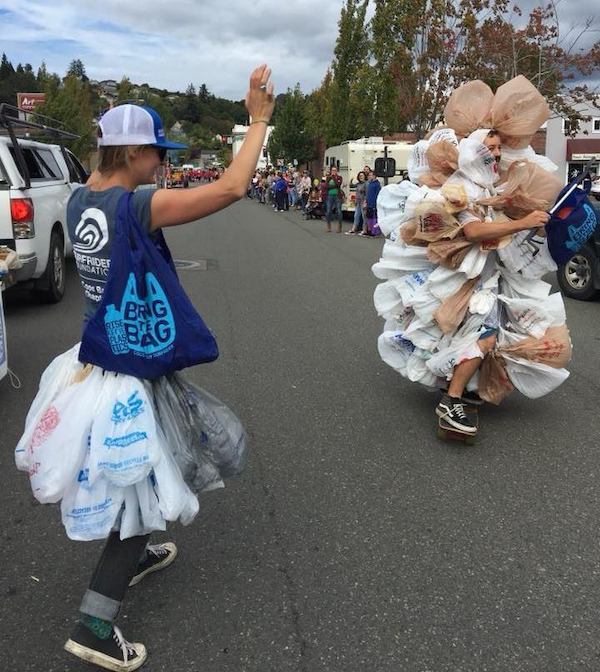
{"x": 29, "y": 101}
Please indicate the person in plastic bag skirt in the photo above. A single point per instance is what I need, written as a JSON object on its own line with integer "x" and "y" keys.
{"x": 123, "y": 451}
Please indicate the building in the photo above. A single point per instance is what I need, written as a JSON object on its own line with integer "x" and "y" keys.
{"x": 570, "y": 154}
{"x": 238, "y": 135}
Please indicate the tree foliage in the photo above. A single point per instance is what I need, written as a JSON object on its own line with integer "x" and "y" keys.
{"x": 290, "y": 138}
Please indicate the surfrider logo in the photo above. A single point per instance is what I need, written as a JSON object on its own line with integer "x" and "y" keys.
{"x": 579, "y": 234}
{"x": 92, "y": 232}
{"x": 143, "y": 326}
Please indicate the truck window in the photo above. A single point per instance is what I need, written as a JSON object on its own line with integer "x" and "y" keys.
{"x": 78, "y": 169}
{"x": 40, "y": 164}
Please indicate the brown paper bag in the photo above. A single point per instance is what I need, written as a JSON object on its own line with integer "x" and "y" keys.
{"x": 527, "y": 187}
{"x": 449, "y": 253}
{"x": 468, "y": 107}
{"x": 453, "y": 310}
{"x": 435, "y": 222}
{"x": 517, "y": 111}
{"x": 494, "y": 383}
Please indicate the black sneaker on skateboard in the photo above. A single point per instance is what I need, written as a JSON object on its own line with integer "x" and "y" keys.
{"x": 114, "y": 653}
{"x": 451, "y": 411}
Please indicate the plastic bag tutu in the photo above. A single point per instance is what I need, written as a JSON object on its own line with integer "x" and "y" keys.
{"x": 123, "y": 453}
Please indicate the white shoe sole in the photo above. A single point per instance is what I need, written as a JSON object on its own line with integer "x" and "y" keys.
{"x": 104, "y": 661}
{"x": 455, "y": 425}
{"x": 156, "y": 568}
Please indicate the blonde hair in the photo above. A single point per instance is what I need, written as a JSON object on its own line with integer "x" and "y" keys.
{"x": 116, "y": 157}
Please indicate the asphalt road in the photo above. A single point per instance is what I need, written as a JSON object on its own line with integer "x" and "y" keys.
{"x": 356, "y": 541}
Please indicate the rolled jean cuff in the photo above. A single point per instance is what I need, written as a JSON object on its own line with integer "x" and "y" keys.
{"x": 100, "y": 606}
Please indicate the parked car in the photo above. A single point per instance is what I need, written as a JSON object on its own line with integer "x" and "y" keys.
{"x": 579, "y": 278}
{"x": 36, "y": 181}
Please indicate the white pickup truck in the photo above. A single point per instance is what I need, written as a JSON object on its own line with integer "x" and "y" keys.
{"x": 36, "y": 180}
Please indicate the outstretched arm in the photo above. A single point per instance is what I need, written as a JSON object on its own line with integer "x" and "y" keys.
{"x": 170, "y": 208}
{"x": 478, "y": 230}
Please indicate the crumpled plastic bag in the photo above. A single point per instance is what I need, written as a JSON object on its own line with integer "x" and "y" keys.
{"x": 533, "y": 317}
{"x": 57, "y": 376}
{"x": 124, "y": 441}
{"x": 456, "y": 197}
{"x": 476, "y": 162}
{"x": 417, "y": 371}
{"x": 409, "y": 285}
{"x": 449, "y": 253}
{"x": 516, "y": 286}
{"x": 510, "y": 155}
{"x": 468, "y": 107}
{"x": 442, "y": 158}
{"x": 443, "y": 282}
{"x": 434, "y": 222}
{"x": 391, "y": 202}
{"x": 494, "y": 384}
{"x": 457, "y": 351}
{"x": 554, "y": 348}
{"x": 474, "y": 262}
{"x": 398, "y": 258}
{"x": 528, "y": 256}
{"x": 454, "y": 309}
{"x": 517, "y": 111}
{"x": 425, "y": 304}
{"x": 417, "y": 165}
{"x": 526, "y": 188}
{"x": 533, "y": 379}
{"x": 395, "y": 350}
{"x": 426, "y": 337}
{"x": 89, "y": 511}
{"x": 387, "y": 300}
{"x": 59, "y": 442}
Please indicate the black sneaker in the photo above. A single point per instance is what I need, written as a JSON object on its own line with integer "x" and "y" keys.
{"x": 158, "y": 556}
{"x": 452, "y": 411}
{"x": 472, "y": 399}
{"x": 114, "y": 653}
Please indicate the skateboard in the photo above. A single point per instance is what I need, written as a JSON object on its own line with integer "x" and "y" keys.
{"x": 448, "y": 433}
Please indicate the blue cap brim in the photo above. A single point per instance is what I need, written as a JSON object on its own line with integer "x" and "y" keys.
{"x": 166, "y": 144}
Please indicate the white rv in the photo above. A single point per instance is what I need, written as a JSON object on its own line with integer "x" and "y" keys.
{"x": 353, "y": 155}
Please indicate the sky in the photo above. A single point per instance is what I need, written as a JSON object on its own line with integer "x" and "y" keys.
{"x": 216, "y": 42}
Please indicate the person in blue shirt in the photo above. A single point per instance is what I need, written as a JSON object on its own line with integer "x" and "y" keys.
{"x": 373, "y": 189}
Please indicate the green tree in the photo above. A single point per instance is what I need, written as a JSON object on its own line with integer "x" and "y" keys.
{"x": 290, "y": 139}
{"x": 70, "y": 102}
{"x": 342, "y": 121}
{"x": 77, "y": 69}
{"x": 124, "y": 89}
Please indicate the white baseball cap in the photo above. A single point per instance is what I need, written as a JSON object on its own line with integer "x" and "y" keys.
{"x": 133, "y": 125}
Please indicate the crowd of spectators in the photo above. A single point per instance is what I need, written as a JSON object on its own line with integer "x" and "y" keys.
{"x": 292, "y": 189}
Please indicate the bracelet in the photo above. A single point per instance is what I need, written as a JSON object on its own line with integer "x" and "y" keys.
{"x": 259, "y": 121}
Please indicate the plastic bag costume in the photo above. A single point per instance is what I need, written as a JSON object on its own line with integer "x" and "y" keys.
{"x": 123, "y": 453}
{"x": 441, "y": 293}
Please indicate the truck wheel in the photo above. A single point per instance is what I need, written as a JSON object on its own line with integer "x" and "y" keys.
{"x": 50, "y": 288}
{"x": 576, "y": 277}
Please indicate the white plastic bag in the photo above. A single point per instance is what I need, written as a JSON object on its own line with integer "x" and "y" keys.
{"x": 474, "y": 262}
{"x": 528, "y": 256}
{"x": 425, "y": 304}
{"x": 510, "y": 155}
{"x": 533, "y": 317}
{"x": 124, "y": 435}
{"x": 386, "y": 299}
{"x": 424, "y": 336}
{"x": 476, "y": 162}
{"x": 417, "y": 163}
{"x": 515, "y": 286}
{"x": 531, "y": 378}
{"x": 459, "y": 350}
{"x": 59, "y": 442}
{"x": 89, "y": 511}
{"x": 56, "y": 377}
{"x": 444, "y": 282}
{"x": 391, "y": 202}
{"x": 417, "y": 371}
{"x": 395, "y": 350}
{"x": 175, "y": 499}
{"x": 141, "y": 513}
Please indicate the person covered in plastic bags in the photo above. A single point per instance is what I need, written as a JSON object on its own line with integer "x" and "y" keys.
{"x": 125, "y": 453}
{"x": 463, "y": 299}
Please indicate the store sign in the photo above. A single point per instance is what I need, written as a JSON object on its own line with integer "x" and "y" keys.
{"x": 584, "y": 157}
{"x": 29, "y": 101}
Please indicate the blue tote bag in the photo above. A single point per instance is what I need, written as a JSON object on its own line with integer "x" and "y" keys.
{"x": 573, "y": 220}
{"x": 145, "y": 325}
